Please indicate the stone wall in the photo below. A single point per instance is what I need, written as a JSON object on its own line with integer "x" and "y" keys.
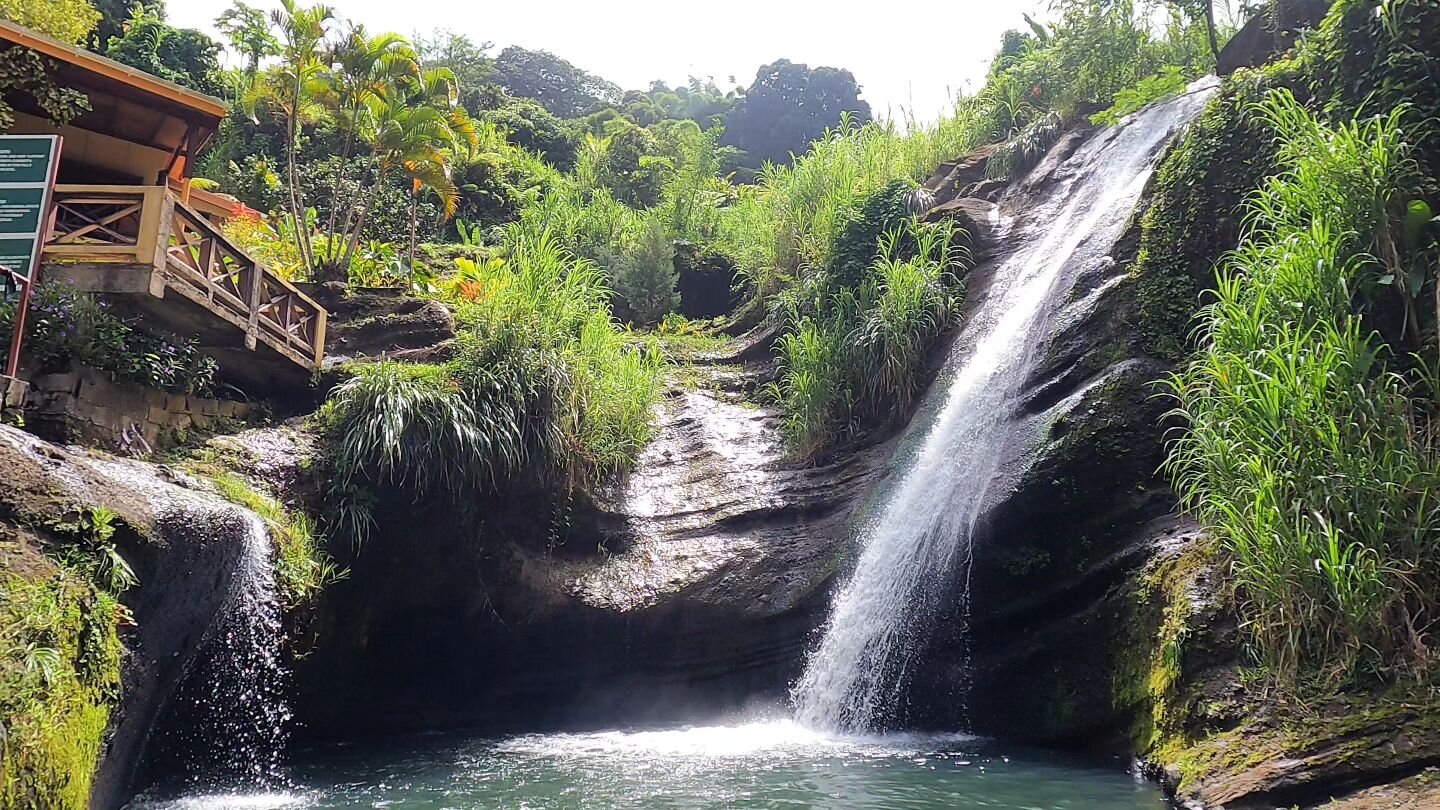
{"x": 85, "y": 406}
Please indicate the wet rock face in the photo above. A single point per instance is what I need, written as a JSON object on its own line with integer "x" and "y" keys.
{"x": 1078, "y": 508}
{"x": 690, "y": 586}
{"x": 1270, "y": 33}
{"x": 183, "y": 546}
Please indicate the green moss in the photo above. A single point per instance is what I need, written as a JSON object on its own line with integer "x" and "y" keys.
{"x": 1195, "y": 213}
{"x": 59, "y": 679}
{"x": 1149, "y": 680}
{"x": 302, "y": 565}
{"x": 1370, "y": 57}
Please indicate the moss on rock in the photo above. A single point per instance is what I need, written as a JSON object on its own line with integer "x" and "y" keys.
{"x": 1195, "y": 213}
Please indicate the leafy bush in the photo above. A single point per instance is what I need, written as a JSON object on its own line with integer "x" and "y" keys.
{"x": 64, "y": 326}
{"x": 851, "y": 356}
{"x": 1303, "y": 454}
{"x": 644, "y": 279}
{"x": 1170, "y": 81}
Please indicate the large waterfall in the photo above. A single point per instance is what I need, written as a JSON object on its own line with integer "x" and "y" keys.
{"x": 915, "y": 543}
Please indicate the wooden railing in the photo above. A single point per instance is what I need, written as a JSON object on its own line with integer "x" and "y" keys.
{"x": 148, "y": 226}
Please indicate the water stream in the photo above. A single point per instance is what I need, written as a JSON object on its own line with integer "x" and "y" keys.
{"x": 916, "y": 543}
{"x": 231, "y": 716}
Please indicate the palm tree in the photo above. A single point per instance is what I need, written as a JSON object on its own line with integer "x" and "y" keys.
{"x": 364, "y": 71}
{"x": 417, "y": 133}
{"x": 291, "y": 89}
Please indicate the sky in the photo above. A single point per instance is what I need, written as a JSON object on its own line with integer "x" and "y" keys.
{"x": 912, "y": 55}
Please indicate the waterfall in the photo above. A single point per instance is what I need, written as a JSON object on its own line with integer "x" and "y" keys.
{"x": 234, "y": 718}
{"x": 915, "y": 542}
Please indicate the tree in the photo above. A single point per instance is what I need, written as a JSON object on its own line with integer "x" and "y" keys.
{"x": 464, "y": 58}
{"x": 69, "y": 21}
{"x": 560, "y": 87}
{"x": 113, "y": 16}
{"x": 532, "y": 127}
{"x": 1202, "y": 11}
{"x": 249, "y": 34}
{"x": 184, "y": 56}
{"x": 788, "y": 106}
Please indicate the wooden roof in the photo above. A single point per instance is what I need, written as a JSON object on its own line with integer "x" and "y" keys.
{"x": 127, "y": 103}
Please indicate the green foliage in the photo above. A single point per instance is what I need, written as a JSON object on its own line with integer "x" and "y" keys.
{"x": 858, "y": 243}
{"x": 644, "y": 280}
{"x": 851, "y": 356}
{"x": 59, "y": 679}
{"x": 1196, "y": 208}
{"x": 184, "y": 56}
{"x": 25, "y": 71}
{"x": 1373, "y": 56}
{"x": 1312, "y": 461}
{"x": 789, "y": 222}
{"x": 70, "y": 21}
{"x": 303, "y": 567}
{"x": 1170, "y": 81}
{"x": 543, "y": 389}
{"x": 559, "y": 86}
{"x": 64, "y": 326}
{"x": 1021, "y": 152}
{"x": 530, "y": 126}
{"x": 249, "y": 34}
{"x": 59, "y": 659}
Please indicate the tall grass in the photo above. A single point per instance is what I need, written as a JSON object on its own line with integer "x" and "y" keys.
{"x": 1302, "y": 451}
{"x": 543, "y": 389}
{"x": 853, "y": 355}
{"x": 789, "y": 224}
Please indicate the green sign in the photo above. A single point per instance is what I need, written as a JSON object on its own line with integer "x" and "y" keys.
{"x": 27, "y": 165}
{"x": 26, "y": 158}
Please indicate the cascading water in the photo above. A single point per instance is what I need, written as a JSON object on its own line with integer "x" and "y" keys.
{"x": 232, "y": 712}
{"x": 916, "y": 542}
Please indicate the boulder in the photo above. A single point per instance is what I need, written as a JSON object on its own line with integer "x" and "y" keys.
{"x": 1270, "y": 33}
{"x": 976, "y": 216}
{"x": 947, "y": 181}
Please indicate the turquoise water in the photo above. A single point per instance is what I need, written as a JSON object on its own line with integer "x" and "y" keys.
{"x": 764, "y": 766}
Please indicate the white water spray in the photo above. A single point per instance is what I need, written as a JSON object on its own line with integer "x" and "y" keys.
{"x": 916, "y": 543}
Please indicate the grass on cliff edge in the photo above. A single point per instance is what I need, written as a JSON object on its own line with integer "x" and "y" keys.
{"x": 543, "y": 388}
{"x": 59, "y": 676}
{"x": 1307, "y": 453}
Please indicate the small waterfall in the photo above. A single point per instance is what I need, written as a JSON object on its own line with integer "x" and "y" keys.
{"x": 232, "y": 715}
{"x": 915, "y": 544}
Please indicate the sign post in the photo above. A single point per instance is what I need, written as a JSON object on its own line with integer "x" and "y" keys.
{"x": 27, "y": 184}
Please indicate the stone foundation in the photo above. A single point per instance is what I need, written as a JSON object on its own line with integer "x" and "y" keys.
{"x": 85, "y": 406}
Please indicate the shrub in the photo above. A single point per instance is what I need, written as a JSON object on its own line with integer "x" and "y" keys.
{"x": 1302, "y": 453}
{"x": 543, "y": 390}
{"x": 64, "y": 326}
{"x": 850, "y": 357}
{"x": 644, "y": 279}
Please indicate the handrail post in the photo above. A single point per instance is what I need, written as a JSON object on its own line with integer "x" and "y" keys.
{"x": 159, "y": 261}
{"x": 252, "y": 327}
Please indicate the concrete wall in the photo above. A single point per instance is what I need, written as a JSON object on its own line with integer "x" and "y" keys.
{"x": 85, "y": 406}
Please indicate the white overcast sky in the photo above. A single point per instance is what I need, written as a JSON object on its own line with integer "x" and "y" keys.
{"x": 905, "y": 54}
